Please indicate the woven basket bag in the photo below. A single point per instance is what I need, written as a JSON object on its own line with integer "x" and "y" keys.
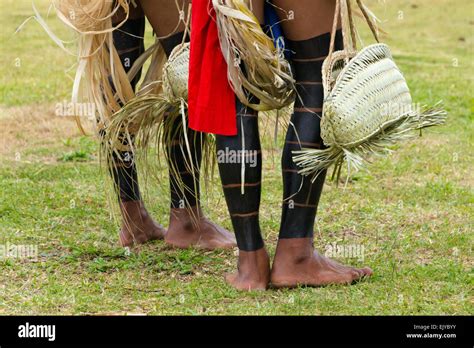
{"x": 176, "y": 72}
{"x": 367, "y": 103}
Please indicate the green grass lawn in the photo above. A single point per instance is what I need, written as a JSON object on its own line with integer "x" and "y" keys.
{"x": 412, "y": 212}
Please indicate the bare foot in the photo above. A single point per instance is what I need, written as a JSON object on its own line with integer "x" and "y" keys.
{"x": 138, "y": 227}
{"x": 296, "y": 263}
{"x": 253, "y": 271}
{"x": 189, "y": 228}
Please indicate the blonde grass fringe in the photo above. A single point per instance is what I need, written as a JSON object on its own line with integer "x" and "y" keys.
{"x": 100, "y": 77}
{"x": 99, "y": 68}
{"x": 265, "y": 73}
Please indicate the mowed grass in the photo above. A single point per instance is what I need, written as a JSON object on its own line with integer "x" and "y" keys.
{"x": 412, "y": 212}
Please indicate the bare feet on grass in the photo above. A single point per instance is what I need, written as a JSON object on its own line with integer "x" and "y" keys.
{"x": 253, "y": 271}
{"x": 138, "y": 227}
{"x": 296, "y": 263}
{"x": 189, "y": 228}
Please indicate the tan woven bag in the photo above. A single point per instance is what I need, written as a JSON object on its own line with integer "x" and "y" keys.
{"x": 176, "y": 72}
{"x": 367, "y": 103}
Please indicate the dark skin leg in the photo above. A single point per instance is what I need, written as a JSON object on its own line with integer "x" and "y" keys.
{"x": 188, "y": 226}
{"x": 253, "y": 268}
{"x": 296, "y": 262}
{"x": 138, "y": 226}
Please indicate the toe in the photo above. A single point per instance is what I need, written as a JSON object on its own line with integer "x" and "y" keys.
{"x": 356, "y": 275}
{"x": 360, "y": 272}
{"x": 123, "y": 240}
{"x": 231, "y": 242}
{"x": 230, "y": 245}
{"x": 230, "y": 278}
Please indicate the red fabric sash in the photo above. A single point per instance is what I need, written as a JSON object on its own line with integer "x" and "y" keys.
{"x": 211, "y": 100}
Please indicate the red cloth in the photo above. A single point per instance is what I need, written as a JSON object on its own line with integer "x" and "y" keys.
{"x": 211, "y": 100}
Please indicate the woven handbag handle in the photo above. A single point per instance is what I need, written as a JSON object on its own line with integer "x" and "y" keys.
{"x": 349, "y": 32}
{"x": 369, "y": 20}
{"x": 187, "y": 23}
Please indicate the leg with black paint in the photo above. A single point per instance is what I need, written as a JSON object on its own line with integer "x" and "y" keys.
{"x": 188, "y": 225}
{"x": 296, "y": 262}
{"x": 242, "y": 195}
{"x": 137, "y": 225}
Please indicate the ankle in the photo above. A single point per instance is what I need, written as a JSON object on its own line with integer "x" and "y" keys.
{"x": 254, "y": 263}
{"x": 127, "y": 205}
{"x": 186, "y": 214}
{"x": 293, "y": 251}
{"x": 185, "y": 219}
{"x": 133, "y": 211}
